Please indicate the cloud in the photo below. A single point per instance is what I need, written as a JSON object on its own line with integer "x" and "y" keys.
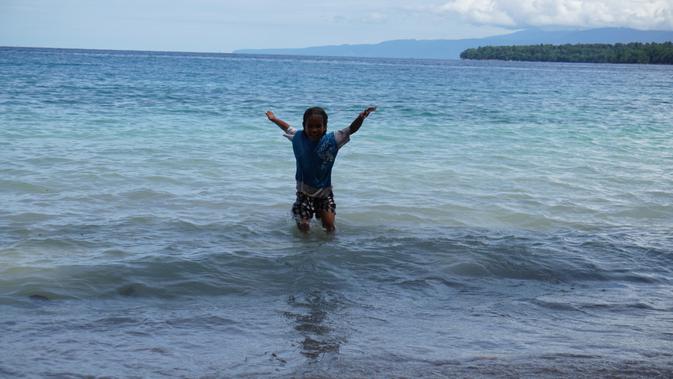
{"x": 641, "y": 14}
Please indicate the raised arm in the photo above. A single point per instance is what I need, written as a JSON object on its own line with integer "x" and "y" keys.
{"x": 357, "y": 123}
{"x": 281, "y": 124}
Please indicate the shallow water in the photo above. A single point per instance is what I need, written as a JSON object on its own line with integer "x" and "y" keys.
{"x": 494, "y": 218}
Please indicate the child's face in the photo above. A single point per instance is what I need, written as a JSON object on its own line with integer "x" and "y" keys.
{"x": 314, "y": 127}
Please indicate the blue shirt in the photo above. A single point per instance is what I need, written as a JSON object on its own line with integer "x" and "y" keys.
{"x": 315, "y": 159}
{"x": 341, "y": 137}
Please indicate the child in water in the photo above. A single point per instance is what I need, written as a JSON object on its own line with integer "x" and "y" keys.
{"x": 315, "y": 151}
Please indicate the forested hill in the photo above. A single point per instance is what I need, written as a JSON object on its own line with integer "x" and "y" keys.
{"x": 652, "y": 53}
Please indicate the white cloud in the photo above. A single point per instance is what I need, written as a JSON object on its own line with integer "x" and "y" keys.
{"x": 641, "y": 14}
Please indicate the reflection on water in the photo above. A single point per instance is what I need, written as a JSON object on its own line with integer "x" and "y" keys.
{"x": 313, "y": 323}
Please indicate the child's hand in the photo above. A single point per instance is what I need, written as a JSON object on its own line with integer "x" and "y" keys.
{"x": 367, "y": 111}
{"x": 270, "y": 115}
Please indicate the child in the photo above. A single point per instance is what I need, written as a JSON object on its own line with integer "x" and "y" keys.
{"x": 315, "y": 151}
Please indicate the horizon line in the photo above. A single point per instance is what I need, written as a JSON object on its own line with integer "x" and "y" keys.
{"x": 175, "y": 52}
{"x": 232, "y": 52}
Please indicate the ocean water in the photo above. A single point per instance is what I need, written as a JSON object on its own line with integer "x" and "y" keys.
{"x": 493, "y": 218}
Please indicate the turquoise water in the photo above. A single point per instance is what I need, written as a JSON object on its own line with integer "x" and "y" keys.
{"x": 493, "y": 218}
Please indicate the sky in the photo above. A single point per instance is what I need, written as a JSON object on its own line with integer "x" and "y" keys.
{"x": 227, "y": 25}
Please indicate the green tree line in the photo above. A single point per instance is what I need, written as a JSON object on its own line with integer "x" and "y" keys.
{"x": 645, "y": 53}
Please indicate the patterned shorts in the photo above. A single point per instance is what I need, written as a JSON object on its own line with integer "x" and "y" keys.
{"x": 305, "y": 206}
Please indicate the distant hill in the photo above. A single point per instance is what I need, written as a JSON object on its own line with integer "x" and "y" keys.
{"x": 451, "y": 49}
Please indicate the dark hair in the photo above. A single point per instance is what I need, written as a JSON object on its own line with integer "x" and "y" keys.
{"x": 315, "y": 111}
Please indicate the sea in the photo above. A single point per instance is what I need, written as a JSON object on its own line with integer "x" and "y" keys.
{"x": 494, "y": 219}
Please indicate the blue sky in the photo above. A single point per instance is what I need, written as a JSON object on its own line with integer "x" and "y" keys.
{"x": 223, "y": 26}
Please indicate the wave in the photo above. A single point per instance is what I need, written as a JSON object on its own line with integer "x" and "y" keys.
{"x": 204, "y": 260}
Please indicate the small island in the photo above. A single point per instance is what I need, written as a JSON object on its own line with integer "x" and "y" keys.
{"x": 641, "y": 53}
